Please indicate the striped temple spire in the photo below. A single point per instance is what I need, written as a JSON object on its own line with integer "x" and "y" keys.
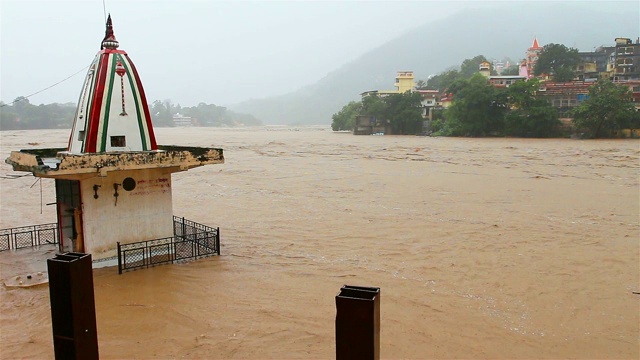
{"x": 112, "y": 113}
{"x": 535, "y": 45}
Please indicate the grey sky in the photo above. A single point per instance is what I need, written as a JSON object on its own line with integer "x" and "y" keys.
{"x": 217, "y": 52}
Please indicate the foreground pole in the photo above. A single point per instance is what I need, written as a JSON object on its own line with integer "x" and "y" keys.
{"x": 358, "y": 323}
{"x": 73, "y": 310}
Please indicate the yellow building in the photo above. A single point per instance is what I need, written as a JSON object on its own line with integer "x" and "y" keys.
{"x": 404, "y": 82}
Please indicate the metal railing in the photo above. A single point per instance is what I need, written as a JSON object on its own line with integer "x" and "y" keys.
{"x": 190, "y": 241}
{"x": 28, "y": 236}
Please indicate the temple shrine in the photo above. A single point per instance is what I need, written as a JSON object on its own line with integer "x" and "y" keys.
{"x": 112, "y": 181}
{"x": 532, "y": 57}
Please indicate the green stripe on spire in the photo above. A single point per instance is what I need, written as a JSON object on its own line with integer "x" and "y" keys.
{"x": 107, "y": 104}
{"x": 134, "y": 90}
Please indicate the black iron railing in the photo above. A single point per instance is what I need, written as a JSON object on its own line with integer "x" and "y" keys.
{"x": 190, "y": 241}
{"x": 28, "y": 236}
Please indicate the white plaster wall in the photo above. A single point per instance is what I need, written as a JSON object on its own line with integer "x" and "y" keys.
{"x": 144, "y": 213}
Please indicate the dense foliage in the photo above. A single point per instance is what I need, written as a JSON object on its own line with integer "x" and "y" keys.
{"x": 475, "y": 111}
{"x": 467, "y": 69}
{"x": 607, "y": 110}
{"x": 527, "y": 115}
{"x": 345, "y": 119}
{"x": 21, "y": 114}
{"x": 479, "y": 109}
{"x": 559, "y": 61}
{"x": 403, "y": 112}
{"x": 203, "y": 114}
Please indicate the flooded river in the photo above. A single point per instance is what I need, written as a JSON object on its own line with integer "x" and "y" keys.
{"x": 482, "y": 248}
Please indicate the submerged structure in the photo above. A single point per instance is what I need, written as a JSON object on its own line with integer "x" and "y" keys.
{"x": 112, "y": 181}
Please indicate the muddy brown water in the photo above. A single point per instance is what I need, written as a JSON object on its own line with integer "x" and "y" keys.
{"x": 482, "y": 248}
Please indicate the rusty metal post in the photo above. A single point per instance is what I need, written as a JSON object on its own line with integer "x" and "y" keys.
{"x": 119, "y": 258}
{"x": 218, "y": 240}
{"x": 73, "y": 310}
{"x": 358, "y": 323}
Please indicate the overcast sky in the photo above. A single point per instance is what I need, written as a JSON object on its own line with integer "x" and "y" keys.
{"x": 219, "y": 52}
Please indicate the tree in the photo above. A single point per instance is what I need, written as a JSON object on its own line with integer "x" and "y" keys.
{"x": 373, "y": 105}
{"x": 345, "y": 119}
{"x": 559, "y": 61}
{"x": 608, "y": 109}
{"x": 470, "y": 67}
{"x": 21, "y": 114}
{"x": 8, "y": 118}
{"x": 529, "y": 116}
{"x": 477, "y": 109}
{"x": 404, "y": 112}
{"x": 161, "y": 113}
{"x": 443, "y": 80}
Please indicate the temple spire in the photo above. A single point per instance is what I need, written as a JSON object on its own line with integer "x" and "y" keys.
{"x": 535, "y": 44}
{"x": 109, "y": 40}
{"x": 113, "y": 113}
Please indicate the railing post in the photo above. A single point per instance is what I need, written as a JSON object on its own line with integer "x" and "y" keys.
{"x": 218, "y": 240}
{"x": 119, "y": 259}
{"x": 173, "y": 244}
{"x": 146, "y": 255}
{"x": 184, "y": 229}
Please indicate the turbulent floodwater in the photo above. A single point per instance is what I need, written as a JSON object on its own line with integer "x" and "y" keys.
{"x": 482, "y": 248}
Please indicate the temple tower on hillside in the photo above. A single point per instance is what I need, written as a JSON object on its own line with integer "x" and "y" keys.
{"x": 532, "y": 56}
{"x": 113, "y": 182}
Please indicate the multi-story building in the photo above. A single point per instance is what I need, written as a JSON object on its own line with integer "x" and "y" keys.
{"x": 404, "y": 81}
{"x": 594, "y": 64}
{"x": 626, "y": 60}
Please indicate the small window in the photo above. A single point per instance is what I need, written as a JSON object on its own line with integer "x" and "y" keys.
{"x": 118, "y": 141}
{"x": 81, "y": 135}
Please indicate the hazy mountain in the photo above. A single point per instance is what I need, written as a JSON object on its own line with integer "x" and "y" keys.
{"x": 504, "y": 31}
